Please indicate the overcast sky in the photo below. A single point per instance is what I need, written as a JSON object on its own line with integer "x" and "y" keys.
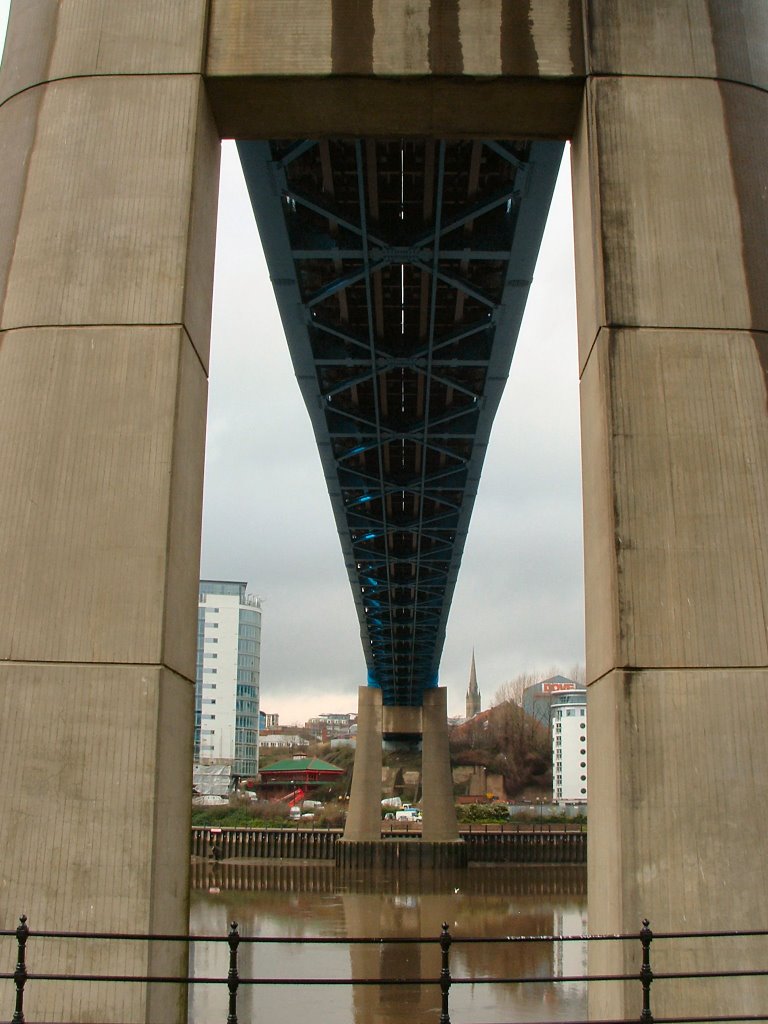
{"x": 267, "y": 516}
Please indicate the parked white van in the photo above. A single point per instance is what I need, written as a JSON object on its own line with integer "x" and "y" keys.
{"x": 407, "y": 813}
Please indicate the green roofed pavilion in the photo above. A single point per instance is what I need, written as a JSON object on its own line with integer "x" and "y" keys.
{"x": 301, "y": 769}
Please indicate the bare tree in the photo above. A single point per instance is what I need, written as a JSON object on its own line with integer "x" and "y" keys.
{"x": 512, "y": 690}
{"x": 578, "y": 674}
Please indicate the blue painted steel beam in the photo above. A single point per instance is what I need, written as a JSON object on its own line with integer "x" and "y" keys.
{"x": 401, "y": 270}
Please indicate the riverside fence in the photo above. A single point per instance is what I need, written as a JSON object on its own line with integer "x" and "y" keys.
{"x": 27, "y": 973}
{"x": 507, "y": 844}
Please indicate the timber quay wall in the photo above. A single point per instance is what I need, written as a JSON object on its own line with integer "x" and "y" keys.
{"x": 515, "y": 845}
{"x": 324, "y": 876}
{"x": 539, "y": 847}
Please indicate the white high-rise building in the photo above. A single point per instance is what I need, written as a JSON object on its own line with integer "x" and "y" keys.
{"x": 227, "y": 684}
{"x": 569, "y": 747}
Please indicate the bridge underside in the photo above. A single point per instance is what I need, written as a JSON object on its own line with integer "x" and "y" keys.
{"x": 401, "y": 269}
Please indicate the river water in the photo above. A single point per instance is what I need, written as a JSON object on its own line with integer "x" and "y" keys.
{"x": 278, "y": 899}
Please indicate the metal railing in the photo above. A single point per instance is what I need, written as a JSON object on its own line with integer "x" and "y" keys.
{"x": 445, "y": 980}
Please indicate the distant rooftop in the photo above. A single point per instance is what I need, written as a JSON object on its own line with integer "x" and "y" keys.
{"x": 302, "y": 764}
{"x": 229, "y": 588}
{"x": 222, "y": 587}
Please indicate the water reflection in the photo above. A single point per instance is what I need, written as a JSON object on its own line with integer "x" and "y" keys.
{"x": 273, "y": 899}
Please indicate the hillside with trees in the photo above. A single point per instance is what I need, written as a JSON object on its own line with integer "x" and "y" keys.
{"x": 508, "y": 742}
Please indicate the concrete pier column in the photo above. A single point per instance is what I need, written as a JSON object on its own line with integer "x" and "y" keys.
{"x": 107, "y": 224}
{"x": 364, "y": 814}
{"x": 437, "y": 804}
{"x": 671, "y": 223}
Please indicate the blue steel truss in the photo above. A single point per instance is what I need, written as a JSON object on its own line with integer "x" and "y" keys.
{"x": 401, "y": 270}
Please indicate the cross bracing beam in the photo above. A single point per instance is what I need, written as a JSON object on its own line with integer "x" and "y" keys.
{"x": 401, "y": 269}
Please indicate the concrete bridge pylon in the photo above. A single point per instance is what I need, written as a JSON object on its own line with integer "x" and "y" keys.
{"x": 364, "y": 813}
{"x": 110, "y": 119}
{"x": 375, "y": 723}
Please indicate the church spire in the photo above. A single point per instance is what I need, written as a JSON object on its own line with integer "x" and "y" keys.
{"x": 473, "y": 692}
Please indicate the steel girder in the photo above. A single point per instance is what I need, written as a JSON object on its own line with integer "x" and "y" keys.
{"x": 401, "y": 270}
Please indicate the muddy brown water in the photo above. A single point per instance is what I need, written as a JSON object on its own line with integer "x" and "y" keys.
{"x": 272, "y": 899}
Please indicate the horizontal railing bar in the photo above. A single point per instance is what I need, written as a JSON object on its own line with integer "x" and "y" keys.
{"x": 176, "y": 980}
{"x": 540, "y": 980}
{"x": 380, "y": 940}
{"x": 484, "y": 980}
{"x": 397, "y": 939}
{"x": 317, "y": 940}
{"x": 161, "y": 979}
{"x": 321, "y": 981}
{"x": 608, "y": 1020}
{"x": 607, "y": 936}
{"x": 676, "y": 976}
{"x": 710, "y": 935}
{"x": 331, "y": 939}
{"x": 123, "y": 936}
{"x": 660, "y": 1020}
{"x": 708, "y": 1020}
{"x": 546, "y": 938}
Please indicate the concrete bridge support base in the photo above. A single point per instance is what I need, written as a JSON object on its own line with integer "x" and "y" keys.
{"x": 107, "y": 234}
{"x": 671, "y": 223}
{"x": 436, "y": 780}
{"x": 364, "y": 812}
{"x": 374, "y": 723}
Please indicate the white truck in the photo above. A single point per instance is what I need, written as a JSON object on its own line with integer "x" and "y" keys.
{"x": 408, "y": 813}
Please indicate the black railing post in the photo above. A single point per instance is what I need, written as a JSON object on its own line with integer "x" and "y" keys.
{"x": 445, "y": 973}
{"x": 646, "y": 974}
{"x": 20, "y": 974}
{"x": 233, "y": 978}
